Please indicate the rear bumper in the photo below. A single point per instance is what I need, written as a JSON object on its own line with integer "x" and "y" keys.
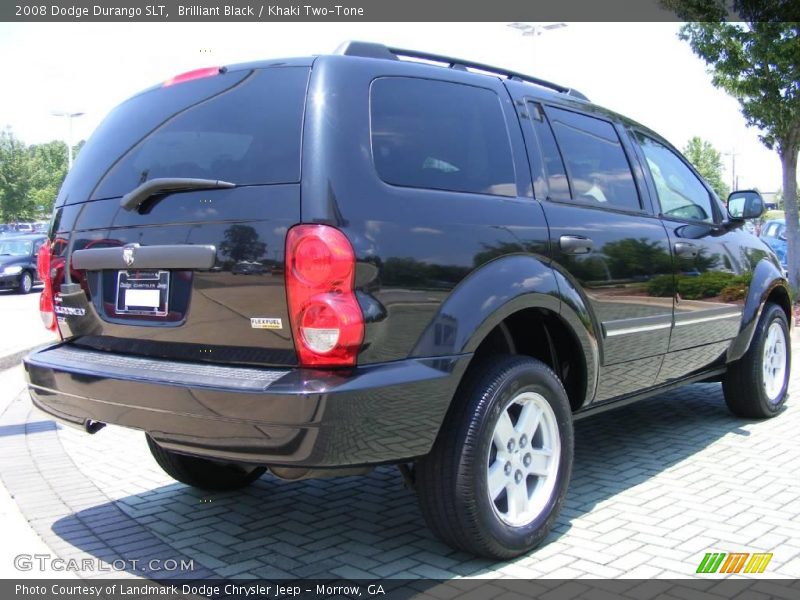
{"x": 294, "y": 417}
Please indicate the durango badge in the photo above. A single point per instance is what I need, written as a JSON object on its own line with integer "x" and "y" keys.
{"x": 266, "y": 323}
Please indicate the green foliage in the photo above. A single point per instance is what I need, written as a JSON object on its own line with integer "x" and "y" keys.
{"x": 50, "y": 168}
{"x": 16, "y": 179}
{"x": 661, "y": 286}
{"x": 708, "y": 162}
{"x": 759, "y": 65}
{"x": 757, "y": 61}
{"x": 640, "y": 257}
{"x": 29, "y": 177}
{"x": 242, "y": 243}
{"x": 706, "y": 285}
{"x": 734, "y": 292}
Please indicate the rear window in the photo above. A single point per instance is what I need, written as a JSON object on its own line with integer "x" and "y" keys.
{"x": 440, "y": 135}
{"x": 244, "y": 127}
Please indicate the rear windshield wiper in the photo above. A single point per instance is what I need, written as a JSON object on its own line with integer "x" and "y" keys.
{"x": 134, "y": 199}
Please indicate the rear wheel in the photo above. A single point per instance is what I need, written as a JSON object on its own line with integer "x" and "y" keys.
{"x": 201, "y": 472}
{"x": 755, "y": 385}
{"x": 498, "y": 473}
{"x": 25, "y": 284}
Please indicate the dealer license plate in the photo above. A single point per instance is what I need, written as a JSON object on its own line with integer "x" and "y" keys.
{"x": 143, "y": 293}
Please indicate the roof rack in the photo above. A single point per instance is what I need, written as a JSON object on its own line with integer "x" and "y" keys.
{"x": 373, "y": 50}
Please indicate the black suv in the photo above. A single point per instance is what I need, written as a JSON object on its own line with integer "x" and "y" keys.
{"x": 458, "y": 261}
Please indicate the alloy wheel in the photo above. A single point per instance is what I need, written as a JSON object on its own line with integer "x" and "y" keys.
{"x": 523, "y": 459}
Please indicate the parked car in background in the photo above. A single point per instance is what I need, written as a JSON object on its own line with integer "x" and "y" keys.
{"x": 18, "y": 262}
{"x": 248, "y": 267}
{"x": 774, "y": 233}
{"x": 24, "y": 228}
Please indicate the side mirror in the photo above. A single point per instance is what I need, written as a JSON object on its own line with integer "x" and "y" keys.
{"x": 745, "y": 204}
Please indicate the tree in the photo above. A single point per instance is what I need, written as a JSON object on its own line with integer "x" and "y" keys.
{"x": 16, "y": 179}
{"x": 30, "y": 177}
{"x": 49, "y": 169}
{"x": 708, "y": 162}
{"x": 242, "y": 243}
{"x": 757, "y": 61}
{"x": 632, "y": 258}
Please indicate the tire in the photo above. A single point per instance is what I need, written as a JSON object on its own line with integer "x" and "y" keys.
{"x": 453, "y": 480}
{"x": 25, "y": 284}
{"x": 755, "y": 385}
{"x": 201, "y": 472}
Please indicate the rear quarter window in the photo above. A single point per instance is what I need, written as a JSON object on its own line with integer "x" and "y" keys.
{"x": 440, "y": 135}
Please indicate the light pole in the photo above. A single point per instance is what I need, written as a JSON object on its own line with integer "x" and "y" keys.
{"x": 733, "y": 154}
{"x": 69, "y": 116}
{"x": 534, "y": 30}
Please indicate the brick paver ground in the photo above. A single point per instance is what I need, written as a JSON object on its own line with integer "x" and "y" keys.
{"x": 655, "y": 486}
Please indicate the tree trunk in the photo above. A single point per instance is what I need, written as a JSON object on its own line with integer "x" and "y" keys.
{"x": 789, "y": 164}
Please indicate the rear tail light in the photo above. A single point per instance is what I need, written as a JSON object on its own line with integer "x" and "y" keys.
{"x": 191, "y": 75}
{"x": 46, "y": 311}
{"x": 46, "y": 305}
{"x": 327, "y": 323}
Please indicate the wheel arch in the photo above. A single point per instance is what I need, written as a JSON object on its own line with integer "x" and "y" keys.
{"x": 767, "y": 285}
{"x": 497, "y": 305}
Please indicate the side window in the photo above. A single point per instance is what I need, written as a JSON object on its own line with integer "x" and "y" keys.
{"x": 681, "y": 194}
{"x": 598, "y": 170}
{"x": 440, "y": 135}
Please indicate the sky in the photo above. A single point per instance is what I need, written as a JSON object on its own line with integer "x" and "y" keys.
{"x": 641, "y": 70}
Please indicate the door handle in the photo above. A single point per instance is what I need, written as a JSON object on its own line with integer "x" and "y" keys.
{"x": 575, "y": 244}
{"x": 685, "y": 249}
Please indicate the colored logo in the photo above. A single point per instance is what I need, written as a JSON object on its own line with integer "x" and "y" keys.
{"x": 734, "y": 562}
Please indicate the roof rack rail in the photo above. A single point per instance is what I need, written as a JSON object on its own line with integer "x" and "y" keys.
{"x": 374, "y": 50}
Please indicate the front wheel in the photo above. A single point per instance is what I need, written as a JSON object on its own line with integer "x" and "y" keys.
{"x": 201, "y": 472}
{"x": 498, "y": 473}
{"x": 755, "y": 385}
